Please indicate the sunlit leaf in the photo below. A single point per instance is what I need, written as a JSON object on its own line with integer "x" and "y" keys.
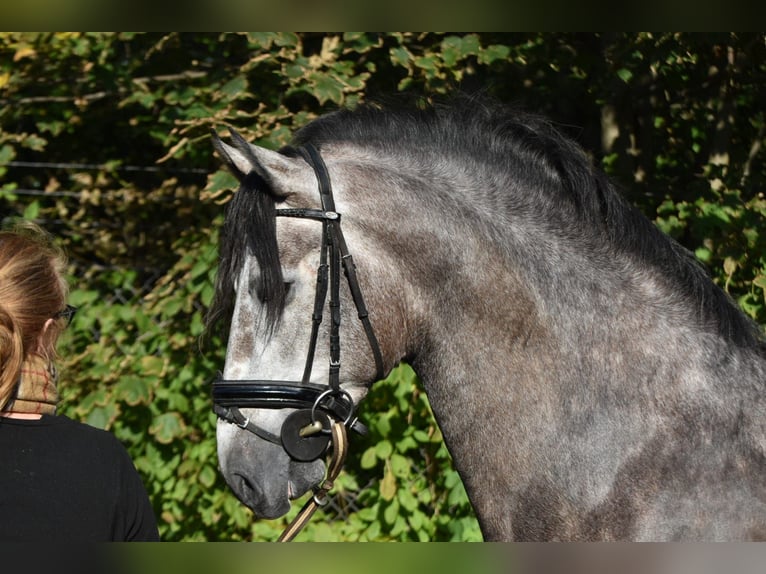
{"x": 103, "y": 416}
{"x": 383, "y": 449}
{"x": 207, "y": 476}
{"x": 167, "y": 427}
{"x": 134, "y": 390}
{"x": 388, "y": 485}
{"x": 391, "y": 512}
{"x": 369, "y": 459}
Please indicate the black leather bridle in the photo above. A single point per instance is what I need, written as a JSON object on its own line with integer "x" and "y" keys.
{"x": 315, "y": 403}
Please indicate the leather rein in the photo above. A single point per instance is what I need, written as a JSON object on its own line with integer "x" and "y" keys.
{"x": 323, "y": 412}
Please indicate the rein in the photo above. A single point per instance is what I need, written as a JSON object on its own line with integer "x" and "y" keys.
{"x": 324, "y": 412}
{"x": 340, "y": 448}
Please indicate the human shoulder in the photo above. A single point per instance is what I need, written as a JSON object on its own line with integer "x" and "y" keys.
{"x": 71, "y": 424}
{"x": 82, "y": 432}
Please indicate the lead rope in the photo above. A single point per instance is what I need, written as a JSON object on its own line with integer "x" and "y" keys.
{"x": 339, "y": 450}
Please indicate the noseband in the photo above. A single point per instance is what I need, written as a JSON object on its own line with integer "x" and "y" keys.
{"x": 306, "y": 433}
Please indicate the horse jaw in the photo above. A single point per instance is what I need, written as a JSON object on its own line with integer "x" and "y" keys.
{"x": 244, "y": 459}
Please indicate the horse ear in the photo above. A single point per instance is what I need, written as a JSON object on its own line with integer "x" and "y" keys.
{"x": 243, "y": 158}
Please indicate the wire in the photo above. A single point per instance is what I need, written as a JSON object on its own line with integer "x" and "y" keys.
{"x": 99, "y": 167}
{"x": 39, "y": 192}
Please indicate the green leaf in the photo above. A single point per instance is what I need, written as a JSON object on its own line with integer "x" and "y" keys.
{"x": 391, "y": 512}
{"x": 206, "y": 295}
{"x": 421, "y": 436}
{"x": 196, "y": 326}
{"x": 471, "y": 45}
{"x": 400, "y": 465}
{"x": 388, "y": 484}
{"x": 456, "y": 48}
{"x": 32, "y": 211}
{"x": 399, "y": 527}
{"x": 327, "y": 88}
{"x": 167, "y": 427}
{"x": 221, "y": 181}
{"x": 133, "y": 390}
{"x": 368, "y": 460}
{"x": 361, "y": 42}
{"x": 400, "y": 56}
{"x": 624, "y": 74}
{"x": 286, "y": 39}
{"x": 383, "y": 449}
{"x": 234, "y": 88}
{"x": 171, "y": 307}
{"x": 383, "y": 425}
{"x": 451, "y": 50}
{"x": 208, "y": 476}
{"x": 406, "y": 444}
{"x": 54, "y": 128}
{"x": 703, "y": 254}
{"x": 261, "y": 39}
{"x": 7, "y": 153}
{"x": 457, "y": 495}
{"x": 201, "y": 267}
{"x": 151, "y": 366}
{"x": 93, "y": 400}
{"x": 493, "y": 53}
{"x": 407, "y": 500}
{"x": 367, "y": 514}
{"x": 35, "y": 143}
{"x": 295, "y": 70}
{"x": 102, "y": 417}
{"x": 416, "y": 520}
{"x": 760, "y": 282}
{"x": 372, "y": 532}
{"x": 144, "y": 99}
{"x": 429, "y": 63}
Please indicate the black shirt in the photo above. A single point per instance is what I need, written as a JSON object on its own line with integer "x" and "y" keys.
{"x": 64, "y": 480}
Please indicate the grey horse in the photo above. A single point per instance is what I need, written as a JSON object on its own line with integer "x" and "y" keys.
{"x": 590, "y": 380}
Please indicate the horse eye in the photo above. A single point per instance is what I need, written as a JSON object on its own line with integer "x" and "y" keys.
{"x": 259, "y": 291}
{"x": 288, "y": 290}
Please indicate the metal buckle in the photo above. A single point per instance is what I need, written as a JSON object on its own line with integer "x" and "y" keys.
{"x": 329, "y": 393}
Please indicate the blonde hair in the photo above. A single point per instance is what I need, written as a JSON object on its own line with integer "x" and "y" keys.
{"x": 33, "y": 290}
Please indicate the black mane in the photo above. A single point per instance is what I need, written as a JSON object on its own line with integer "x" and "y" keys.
{"x": 249, "y": 226}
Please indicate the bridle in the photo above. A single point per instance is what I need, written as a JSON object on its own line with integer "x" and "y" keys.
{"x": 323, "y": 412}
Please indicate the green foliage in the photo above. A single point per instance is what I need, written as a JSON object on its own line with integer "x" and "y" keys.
{"x": 104, "y": 139}
{"x": 732, "y": 240}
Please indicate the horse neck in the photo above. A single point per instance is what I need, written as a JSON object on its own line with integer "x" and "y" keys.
{"x": 581, "y": 316}
{"x": 559, "y": 379}
{"x": 486, "y": 283}
{"x": 532, "y": 318}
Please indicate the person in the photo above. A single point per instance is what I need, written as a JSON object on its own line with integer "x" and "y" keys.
{"x": 59, "y": 479}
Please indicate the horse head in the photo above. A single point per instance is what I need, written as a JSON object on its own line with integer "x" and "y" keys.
{"x": 282, "y": 250}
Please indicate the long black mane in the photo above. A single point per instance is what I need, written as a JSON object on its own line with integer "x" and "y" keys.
{"x": 528, "y": 152}
{"x": 249, "y": 227}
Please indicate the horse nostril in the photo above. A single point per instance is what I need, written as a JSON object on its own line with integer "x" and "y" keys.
{"x": 245, "y": 489}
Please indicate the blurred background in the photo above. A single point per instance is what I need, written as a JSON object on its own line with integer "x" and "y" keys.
{"x": 104, "y": 141}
